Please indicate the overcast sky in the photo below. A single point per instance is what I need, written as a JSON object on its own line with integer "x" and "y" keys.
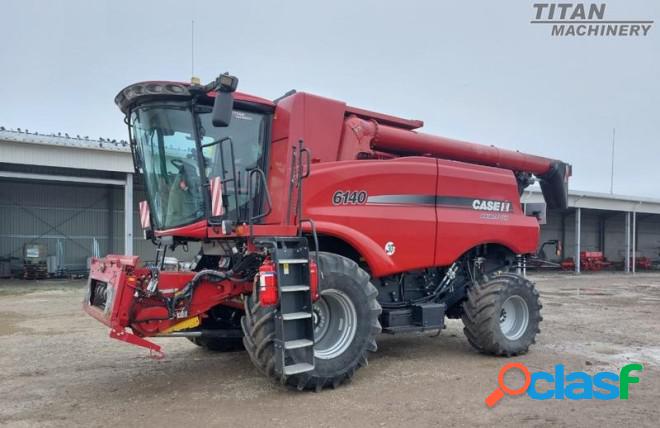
{"x": 476, "y": 71}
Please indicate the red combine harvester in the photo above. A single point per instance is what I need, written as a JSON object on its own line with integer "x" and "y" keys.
{"x": 395, "y": 231}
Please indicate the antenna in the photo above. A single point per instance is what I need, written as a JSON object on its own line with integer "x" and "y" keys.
{"x": 193, "y": 80}
{"x": 612, "y": 169}
{"x": 192, "y": 49}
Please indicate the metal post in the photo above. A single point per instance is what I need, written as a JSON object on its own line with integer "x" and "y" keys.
{"x": 578, "y": 221}
{"x": 634, "y": 241}
{"x": 627, "y": 261}
{"x": 110, "y": 248}
{"x": 128, "y": 215}
{"x": 612, "y": 170}
{"x": 601, "y": 233}
{"x": 563, "y": 236}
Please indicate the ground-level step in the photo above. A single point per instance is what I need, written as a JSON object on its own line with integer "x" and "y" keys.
{"x": 298, "y": 368}
{"x": 300, "y": 343}
{"x": 292, "y": 261}
{"x": 292, "y": 288}
{"x": 296, "y": 316}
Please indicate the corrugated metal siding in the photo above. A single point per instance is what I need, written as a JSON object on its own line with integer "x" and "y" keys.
{"x": 648, "y": 238}
{"x": 648, "y": 234}
{"x": 74, "y": 214}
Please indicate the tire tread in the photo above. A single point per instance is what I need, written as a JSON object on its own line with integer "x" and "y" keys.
{"x": 481, "y": 310}
{"x": 259, "y": 331}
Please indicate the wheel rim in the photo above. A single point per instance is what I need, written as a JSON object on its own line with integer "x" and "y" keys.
{"x": 334, "y": 324}
{"x": 514, "y": 317}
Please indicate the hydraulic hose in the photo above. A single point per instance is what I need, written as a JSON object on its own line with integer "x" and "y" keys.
{"x": 187, "y": 291}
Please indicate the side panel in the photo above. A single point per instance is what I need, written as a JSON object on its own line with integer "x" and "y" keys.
{"x": 379, "y": 207}
{"x": 284, "y": 131}
{"x": 478, "y": 204}
{"x": 318, "y": 122}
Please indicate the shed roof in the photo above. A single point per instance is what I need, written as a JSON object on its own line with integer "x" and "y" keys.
{"x": 21, "y": 147}
{"x": 601, "y": 201}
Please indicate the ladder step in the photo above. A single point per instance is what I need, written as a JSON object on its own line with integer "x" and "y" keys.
{"x": 300, "y": 343}
{"x": 296, "y": 316}
{"x": 292, "y": 288}
{"x": 292, "y": 261}
{"x": 298, "y": 368}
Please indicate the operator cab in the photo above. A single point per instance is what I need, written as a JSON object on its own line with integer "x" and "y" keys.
{"x": 181, "y": 138}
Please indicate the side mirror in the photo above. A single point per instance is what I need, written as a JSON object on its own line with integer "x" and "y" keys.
{"x": 222, "y": 109}
{"x": 224, "y": 100}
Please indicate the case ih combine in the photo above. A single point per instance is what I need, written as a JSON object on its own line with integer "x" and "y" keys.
{"x": 395, "y": 231}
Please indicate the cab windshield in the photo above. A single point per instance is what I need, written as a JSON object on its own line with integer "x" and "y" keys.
{"x": 167, "y": 156}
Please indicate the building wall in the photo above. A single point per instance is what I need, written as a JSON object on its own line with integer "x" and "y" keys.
{"x": 648, "y": 236}
{"x": 648, "y": 233}
{"x": 74, "y": 214}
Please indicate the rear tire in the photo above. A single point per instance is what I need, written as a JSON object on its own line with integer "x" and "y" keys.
{"x": 502, "y": 315}
{"x": 342, "y": 284}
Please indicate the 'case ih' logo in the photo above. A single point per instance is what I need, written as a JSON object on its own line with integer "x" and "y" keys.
{"x": 485, "y": 205}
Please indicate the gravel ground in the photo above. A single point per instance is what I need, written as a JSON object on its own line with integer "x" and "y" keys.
{"x": 59, "y": 368}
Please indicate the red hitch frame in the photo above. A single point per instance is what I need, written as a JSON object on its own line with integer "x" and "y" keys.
{"x": 117, "y": 297}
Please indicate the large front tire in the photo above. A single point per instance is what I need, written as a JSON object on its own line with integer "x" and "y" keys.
{"x": 502, "y": 315}
{"x": 346, "y": 323}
